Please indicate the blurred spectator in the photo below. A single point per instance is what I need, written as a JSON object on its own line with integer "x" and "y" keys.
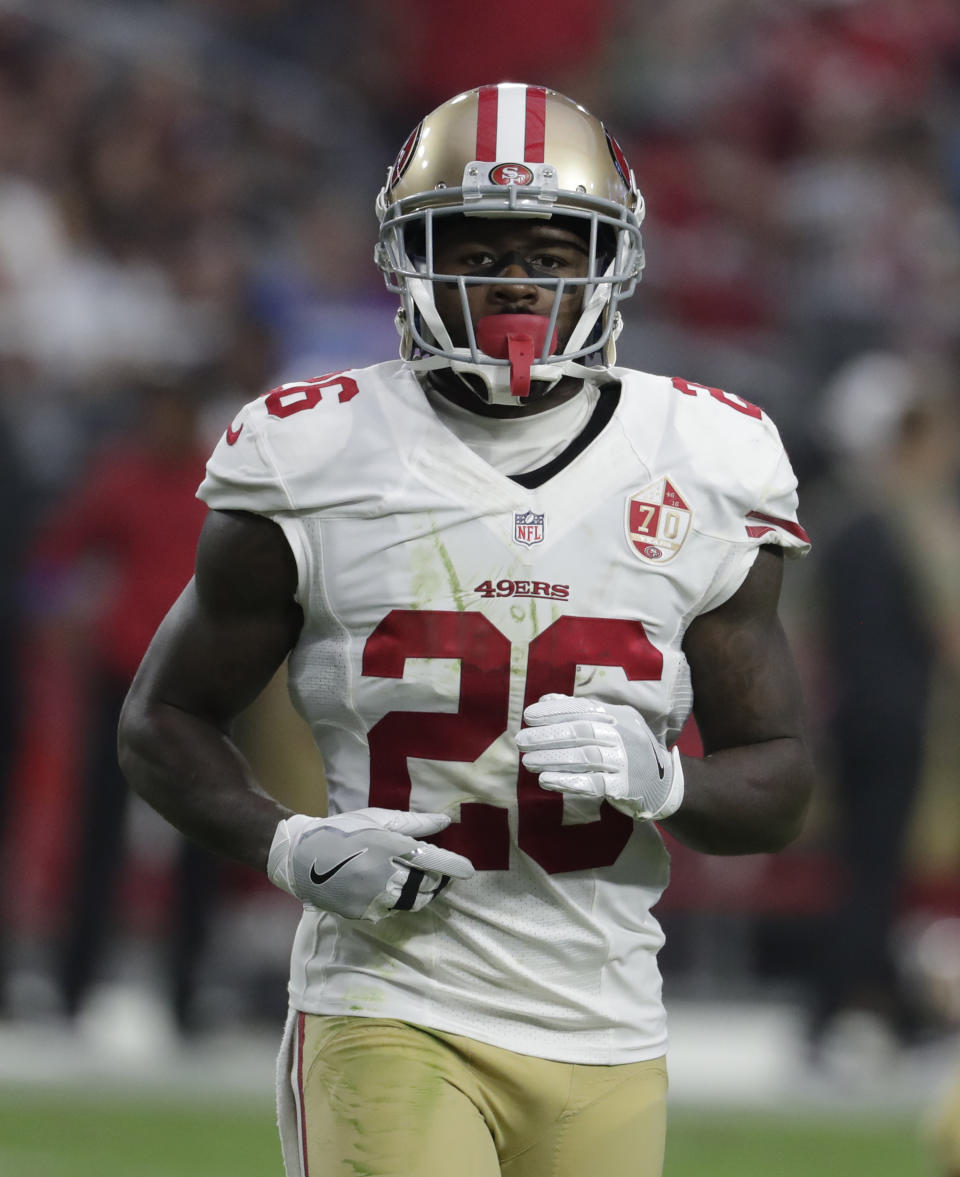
{"x": 442, "y": 47}
{"x": 890, "y": 579}
{"x": 14, "y": 528}
{"x": 325, "y": 311}
{"x": 799, "y": 161}
{"x": 111, "y": 559}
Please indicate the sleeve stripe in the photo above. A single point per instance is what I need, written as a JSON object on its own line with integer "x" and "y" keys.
{"x": 786, "y": 524}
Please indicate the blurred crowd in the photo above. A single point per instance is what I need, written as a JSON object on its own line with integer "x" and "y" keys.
{"x": 186, "y": 219}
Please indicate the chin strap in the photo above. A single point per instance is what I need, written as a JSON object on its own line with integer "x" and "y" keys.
{"x": 519, "y": 339}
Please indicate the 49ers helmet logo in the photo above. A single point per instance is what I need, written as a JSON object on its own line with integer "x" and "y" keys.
{"x": 410, "y": 145}
{"x": 619, "y": 159}
{"x": 506, "y": 174}
{"x": 658, "y": 521}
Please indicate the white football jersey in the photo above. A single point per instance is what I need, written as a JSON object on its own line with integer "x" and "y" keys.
{"x": 439, "y": 599}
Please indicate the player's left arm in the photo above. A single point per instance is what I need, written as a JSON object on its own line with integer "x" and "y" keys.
{"x": 750, "y": 792}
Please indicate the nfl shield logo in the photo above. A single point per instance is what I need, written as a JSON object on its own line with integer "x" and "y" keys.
{"x": 527, "y": 528}
{"x": 658, "y": 521}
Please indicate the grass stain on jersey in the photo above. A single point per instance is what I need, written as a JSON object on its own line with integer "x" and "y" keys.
{"x": 526, "y": 613}
{"x": 433, "y": 577}
{"x": 456, "y": 589}
{"x": 424, "y": 580}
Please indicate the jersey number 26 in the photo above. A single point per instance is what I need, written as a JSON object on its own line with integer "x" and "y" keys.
{"x": 482, "y": 833}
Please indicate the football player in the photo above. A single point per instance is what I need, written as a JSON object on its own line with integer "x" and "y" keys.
{"x": 503, "y": 570}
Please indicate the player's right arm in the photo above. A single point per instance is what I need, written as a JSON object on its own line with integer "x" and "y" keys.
{"x": 215, "y": 651}
{"x": 218, "y": 647}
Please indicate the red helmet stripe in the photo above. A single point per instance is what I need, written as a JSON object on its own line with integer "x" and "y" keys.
{"x": 535, "y": 131}
{"x": 487, "y": 102}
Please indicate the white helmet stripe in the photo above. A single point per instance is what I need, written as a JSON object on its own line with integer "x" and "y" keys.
{"x": 511, "y": 122}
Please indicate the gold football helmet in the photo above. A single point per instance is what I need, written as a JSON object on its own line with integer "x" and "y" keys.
{"x": 510, "y": 150}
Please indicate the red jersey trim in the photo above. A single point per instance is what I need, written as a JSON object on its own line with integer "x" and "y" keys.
{"x": 785, "y": 524}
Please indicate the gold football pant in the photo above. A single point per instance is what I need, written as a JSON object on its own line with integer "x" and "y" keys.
{"x": 943, "y": 1129}
{"x": 381, "y": 1098}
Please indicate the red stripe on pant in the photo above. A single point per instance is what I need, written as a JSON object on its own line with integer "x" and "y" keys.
{"x": 301, "y": 1029}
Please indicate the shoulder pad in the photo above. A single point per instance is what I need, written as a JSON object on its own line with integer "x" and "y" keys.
{"x": 279, "y": 449}
{"x": 732, "y": 449}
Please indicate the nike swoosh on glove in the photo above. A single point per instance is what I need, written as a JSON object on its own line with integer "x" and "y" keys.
{"x": 604, "y": 750}
{"x": 364, "y": 864}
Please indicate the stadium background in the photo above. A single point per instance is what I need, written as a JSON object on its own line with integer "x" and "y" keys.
{"x": 186, "y": 194}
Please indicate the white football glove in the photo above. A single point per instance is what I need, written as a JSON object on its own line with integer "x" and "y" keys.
{"x": 604, "y": 750}
{"x": 364, "y": 864}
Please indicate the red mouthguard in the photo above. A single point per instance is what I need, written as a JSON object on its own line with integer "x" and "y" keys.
{"x": 517, "y": 338}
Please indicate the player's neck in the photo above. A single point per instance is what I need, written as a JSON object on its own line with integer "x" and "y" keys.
{"x": 453, "y": 389}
